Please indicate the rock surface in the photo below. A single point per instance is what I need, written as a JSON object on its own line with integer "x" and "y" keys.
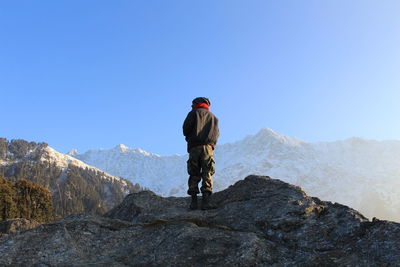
{"x": 259, "y": 221}
{"x": 16, "y": 225}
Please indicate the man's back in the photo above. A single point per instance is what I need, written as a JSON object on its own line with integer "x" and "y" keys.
{"x": 201, "y": 128}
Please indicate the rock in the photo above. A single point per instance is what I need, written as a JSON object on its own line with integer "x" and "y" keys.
{"x": 259, "y": 221}
{"x": 12, "y": 226}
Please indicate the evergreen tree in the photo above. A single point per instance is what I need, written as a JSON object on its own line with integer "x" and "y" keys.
{"x": 25, "y": 199}
{"x": 7, "y": 200}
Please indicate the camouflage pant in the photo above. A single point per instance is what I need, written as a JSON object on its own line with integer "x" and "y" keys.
{"x": 200, "y": 167}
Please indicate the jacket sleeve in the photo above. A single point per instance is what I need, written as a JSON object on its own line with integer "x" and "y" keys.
{"x": 217, "y": 130}
{"x": 188, "y": 124}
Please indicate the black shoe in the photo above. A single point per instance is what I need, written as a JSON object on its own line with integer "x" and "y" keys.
{"x": 205, "y": 202}
{"x": 193, "y": 204}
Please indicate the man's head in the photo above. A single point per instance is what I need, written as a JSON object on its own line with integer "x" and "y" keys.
{"x": 200, "y": 100}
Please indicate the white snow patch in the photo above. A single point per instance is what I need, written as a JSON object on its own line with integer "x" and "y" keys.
{"x": 63, "y": 160}
{"x": 73, "y": 152}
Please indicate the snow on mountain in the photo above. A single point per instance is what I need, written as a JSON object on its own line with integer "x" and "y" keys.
{"x": 50, "y": 155}
{"x": 363, "y": 174}
{"x": 164, "y": 175}
{"x": 76, "y": 187}
{"x": 72, "y": 152}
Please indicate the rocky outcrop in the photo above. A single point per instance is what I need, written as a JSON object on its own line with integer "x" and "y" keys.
{"x": 259, "y": 221}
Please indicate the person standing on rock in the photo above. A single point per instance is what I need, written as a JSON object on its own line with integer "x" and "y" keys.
{"x": 201, "y": 132}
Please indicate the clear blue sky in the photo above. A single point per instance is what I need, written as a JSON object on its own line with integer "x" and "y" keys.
{"x": 89, "y": 74}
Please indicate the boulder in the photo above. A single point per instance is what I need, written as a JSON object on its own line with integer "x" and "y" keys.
{"x": 12, "y": 226}
{"x": 16, "y": 225}
{"x": 259, "y": 221}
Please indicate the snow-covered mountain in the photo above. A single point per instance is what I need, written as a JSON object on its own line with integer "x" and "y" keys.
{"x": 76, "y": 186}
{"x": 165, "y": 175}
{"x": 363, "y": 174}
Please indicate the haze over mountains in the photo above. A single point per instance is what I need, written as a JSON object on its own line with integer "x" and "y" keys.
{"x": 364, "y": 174}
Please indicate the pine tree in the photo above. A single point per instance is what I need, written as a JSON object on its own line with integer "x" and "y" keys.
{"x": 7, "y": 200}
{"x": 24, "y": 199}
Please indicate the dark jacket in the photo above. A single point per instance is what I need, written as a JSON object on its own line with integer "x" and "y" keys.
{"x": 200, "y": 128}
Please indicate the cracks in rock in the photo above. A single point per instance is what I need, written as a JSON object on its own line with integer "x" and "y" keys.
{"x": 71, "y": 240}
{"x": 114, "y": 227}
{"x": 196, "y": 221}
{"x": 201, "y": 223}
{"x": 156, "y": 248}
{"x": 158, "y": 245}
{"x": 250, "y": 198}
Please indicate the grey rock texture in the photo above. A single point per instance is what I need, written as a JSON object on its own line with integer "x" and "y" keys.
{"x": 259, "y": 222}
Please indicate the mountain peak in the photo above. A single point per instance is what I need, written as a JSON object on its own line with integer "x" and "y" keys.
{"x": 267, "y": 131}
{"x": 73, "y": 152}
{"x": 121, "y": 148}
{"x": 268, "y": 135}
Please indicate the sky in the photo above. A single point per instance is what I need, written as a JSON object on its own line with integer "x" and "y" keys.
{"x": 94, "y": 73}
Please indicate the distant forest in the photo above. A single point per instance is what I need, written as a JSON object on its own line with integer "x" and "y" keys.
{"x": 24, "y": 199}
{"x": 74, "y": 189}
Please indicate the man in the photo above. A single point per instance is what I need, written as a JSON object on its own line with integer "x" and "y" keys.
{"x": 201, "y": 133}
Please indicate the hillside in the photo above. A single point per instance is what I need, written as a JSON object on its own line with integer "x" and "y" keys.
{"x": 75, "y": 186}
{"x": 363, "y": 174}
{"x": 259, "y": 221}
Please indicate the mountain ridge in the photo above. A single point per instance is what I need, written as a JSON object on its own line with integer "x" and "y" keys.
{"x": 75, "y": 185}
{"x": 357, "y": 172}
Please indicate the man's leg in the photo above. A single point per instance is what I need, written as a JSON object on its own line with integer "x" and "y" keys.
{"x": 194, "y": 170}
{"x": 207, "y": 170}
